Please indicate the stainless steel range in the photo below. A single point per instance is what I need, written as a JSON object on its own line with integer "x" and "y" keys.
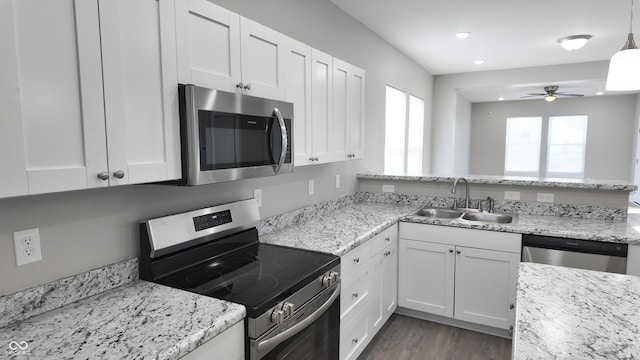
{"x": 291, "y": 295}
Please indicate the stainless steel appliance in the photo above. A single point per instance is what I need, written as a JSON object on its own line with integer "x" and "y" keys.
{"x": 582, "y": 254}
{"x": 292, "y": 296}
{"x": 227, "y": 136}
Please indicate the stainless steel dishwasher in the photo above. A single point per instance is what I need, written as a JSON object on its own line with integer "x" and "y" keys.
{"x": 581, "y": 254}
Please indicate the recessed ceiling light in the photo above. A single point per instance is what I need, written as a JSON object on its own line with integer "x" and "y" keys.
{"x": 500, "y": 98}
{"x": 600, "y": 93}
{"x": 463, "y": 35}
{"x": 479, "y": 61}
{"x": 574, "y": 42}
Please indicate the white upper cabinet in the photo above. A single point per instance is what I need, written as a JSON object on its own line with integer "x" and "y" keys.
{"x": 140, "y": 90}
{"x": 298, "y": 91}
{"x": 355, "y": 113}
{"x": 54, "y": 129}
{"x": 208, "y": 40}
{"x": 321, "y": 105}
{"x": 221, "y": 50}
{"x": 347, "y": 124}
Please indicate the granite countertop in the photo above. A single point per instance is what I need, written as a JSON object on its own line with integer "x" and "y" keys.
{"x": 511, "y": 180}
{"x": 342, "y": 230}
{"x": 140, "y": 320}
{"x": 565, "y": 313}
{"x": 558, "y": 226}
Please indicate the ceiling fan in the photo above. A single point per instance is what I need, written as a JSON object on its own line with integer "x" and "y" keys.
{"x": 550, "y": 94}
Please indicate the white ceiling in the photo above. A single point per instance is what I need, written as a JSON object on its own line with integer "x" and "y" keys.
{"x": 508, "y": 34}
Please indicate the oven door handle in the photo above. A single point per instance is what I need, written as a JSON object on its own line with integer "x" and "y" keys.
{"x": 267, "y": 345}
{"x": 283, "y": 131}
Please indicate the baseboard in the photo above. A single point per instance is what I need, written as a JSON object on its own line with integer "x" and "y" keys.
{"x": 453, "y": 322}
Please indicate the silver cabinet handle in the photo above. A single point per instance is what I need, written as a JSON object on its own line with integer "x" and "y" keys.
{"x": 119, "y": 174}
{"x": 247, "y": 87}
{"x": 103, "y": 175}
{"x": 355, "y": 295}
{"x": 458, "y": 251}
{"x": 450, "y": 250}
{"x": 511, "y": 306}
{"x": 387, "y": 239}
{"x": 313, "y": 158}
{"x": 511, "y": 330}
{"x": 356, "y": 260}
{"x": 355, "y": 340}
{"x": 285, "y": 145}
{"x": 239, "y": 85}
{"x": 387, "y": 253}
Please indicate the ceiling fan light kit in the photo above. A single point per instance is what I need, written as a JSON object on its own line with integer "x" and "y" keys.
{"x": 624, "y": 68}
{"x": 574, "y": 42}
{"x": 550, "y": 98}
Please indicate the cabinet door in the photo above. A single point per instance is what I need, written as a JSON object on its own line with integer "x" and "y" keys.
{"x": 485, "y": 286}
{"x": 208, "y": 41}
{"x": 321, "y": 104}
{"x": 340, "y": 118}
{"x": 140, "y": 90}
{"x": 384, "y": 278}
{"x": 52, "y": 129}
{"x": 425, "y": 274}
{"x": 298, "y": 91}
{"x": 355, "y": 113}
{"x": 262, "y": 56}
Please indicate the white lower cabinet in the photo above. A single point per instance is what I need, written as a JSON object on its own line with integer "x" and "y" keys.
{"x": 368, "y": 291}
{"x": 469, "y": 275}
{"x": 228, "y": 345}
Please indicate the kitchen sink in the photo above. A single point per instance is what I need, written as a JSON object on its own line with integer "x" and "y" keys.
{"x": 439, "y": 213}
{"x": 488, "y": 217}
{"x": 464, "y": 214}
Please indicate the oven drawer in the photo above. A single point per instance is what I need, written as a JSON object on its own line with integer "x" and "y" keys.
{"x": 386, "y": 237}
{"x": 354, "y": 336}
{"x": 355, "y": 259}
{"x": 355, "y": 292}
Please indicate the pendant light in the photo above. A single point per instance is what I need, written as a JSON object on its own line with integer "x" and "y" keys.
{"x": 624, "y": 68}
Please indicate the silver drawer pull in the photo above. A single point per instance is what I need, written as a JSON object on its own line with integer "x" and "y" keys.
{"x": 355, "y": 295}
{"x": 387, "y": 253}
{"x": 355, "y": 340}
{"x": 356, "y": 260}
{"x": 387, "y": 239}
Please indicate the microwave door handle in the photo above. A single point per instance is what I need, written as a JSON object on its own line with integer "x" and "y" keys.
{"x": 283, "y": 131}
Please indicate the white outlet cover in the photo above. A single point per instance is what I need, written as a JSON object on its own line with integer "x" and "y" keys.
{"x": 311, "y": 187}
{"x": 27, "y": 246}
{"x": 337, "y": 181}
{"x": 512, "y": 195}
{"x": 545, "y": 197}
{"x": 388, "y": 188}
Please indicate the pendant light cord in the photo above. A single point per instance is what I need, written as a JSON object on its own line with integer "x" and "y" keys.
{"x": 631, "y": 24}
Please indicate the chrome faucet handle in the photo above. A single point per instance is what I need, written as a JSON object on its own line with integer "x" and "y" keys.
{"x": 454, "y": 201}
{"x": 491, "y": 203}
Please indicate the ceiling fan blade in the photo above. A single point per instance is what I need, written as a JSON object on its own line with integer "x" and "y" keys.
{"x": 568, "y": 94}
{"x": 537, "y": 94}
{"x": 532, "y": 95}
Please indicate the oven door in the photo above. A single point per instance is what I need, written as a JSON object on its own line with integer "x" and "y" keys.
{"x": 312, "y": 337}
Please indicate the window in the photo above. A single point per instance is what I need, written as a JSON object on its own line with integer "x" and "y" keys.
{"x": 564, "y": 154}
{"x": 566, "y": 146}
{"x": 522, "y": 146}
{"x": 404, "y": 125}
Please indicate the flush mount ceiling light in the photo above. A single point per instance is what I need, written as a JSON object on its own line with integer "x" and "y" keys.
{"x": 574, "y": 42}
{"x": 480, "y": 61}
{"x": 600, "y": 93}
{"x": 624, "y": 72}
{"x": 550, "y": 98}
{"x": 463, "y": 35}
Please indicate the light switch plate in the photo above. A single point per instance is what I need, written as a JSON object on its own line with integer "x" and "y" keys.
{"x": 388, "y": 188}
{"x": 27, "y": 246}
{"x": 545, "y": 197}
{"x": 512, "y": 195}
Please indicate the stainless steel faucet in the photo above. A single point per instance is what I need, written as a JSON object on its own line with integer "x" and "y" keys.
{"x": 466, "y": 186}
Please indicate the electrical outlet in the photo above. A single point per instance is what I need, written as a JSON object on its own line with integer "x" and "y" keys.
{"x": 337, "y": 181}
{"x": 257, "y": 194}
{"x": 545, "y": 197}
{"x": 512, "y": 195}
{"x": 388, "y": 188}
{"x": 311, "y": 187}
{"x": 27, "y": 246}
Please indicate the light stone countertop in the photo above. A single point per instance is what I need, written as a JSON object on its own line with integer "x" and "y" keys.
{"x": 139, "y": 320}
{"x": 566, "y": 313}
{"x": 511, "y": 180}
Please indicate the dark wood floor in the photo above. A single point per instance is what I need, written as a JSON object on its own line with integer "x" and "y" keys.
{"x": 403, "y": 337}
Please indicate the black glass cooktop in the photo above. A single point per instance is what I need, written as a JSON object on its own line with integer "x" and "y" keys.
{"x": 257, "y": 276}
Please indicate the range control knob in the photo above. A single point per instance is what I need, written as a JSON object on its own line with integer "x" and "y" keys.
{"x": 287, "y": 308}
{"x": 326, "y": 280}
{"x": 277, "y": 316}
{"x": 334, "y": 277}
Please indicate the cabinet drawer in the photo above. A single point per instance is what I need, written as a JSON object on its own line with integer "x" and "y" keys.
{"x": 354, "y": 259}
{"x": 355, "y": 293}
{"x": 354, "y": 336}
{"x": 382, "y": 240}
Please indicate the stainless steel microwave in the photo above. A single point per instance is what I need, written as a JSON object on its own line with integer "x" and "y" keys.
{"x": 227, "y": 136}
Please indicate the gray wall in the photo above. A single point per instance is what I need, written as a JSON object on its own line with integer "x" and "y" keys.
{"x": 83, "y": 230}
{"x": 447, "y": 123}
{"x": 610, "y": 132}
